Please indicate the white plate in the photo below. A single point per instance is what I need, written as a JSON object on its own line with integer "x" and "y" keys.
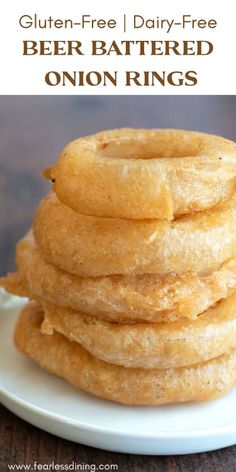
{"x": 56, "y": 407}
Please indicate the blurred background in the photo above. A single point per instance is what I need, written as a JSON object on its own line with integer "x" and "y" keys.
{"x": 33, "y": 131}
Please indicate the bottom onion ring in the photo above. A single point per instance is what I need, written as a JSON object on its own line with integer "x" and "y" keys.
{"x": 156, "y": 345}
{"x": 149, "y": 298}
{"x": 124, "y": 385}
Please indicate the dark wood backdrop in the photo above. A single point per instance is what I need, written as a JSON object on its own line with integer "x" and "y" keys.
{"x": 33, "y": 130}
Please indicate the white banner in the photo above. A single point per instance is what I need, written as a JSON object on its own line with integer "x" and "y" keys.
{"x": 100, "y": 47}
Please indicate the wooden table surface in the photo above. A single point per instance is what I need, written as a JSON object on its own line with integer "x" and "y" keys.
{"x": 33, "y": 130}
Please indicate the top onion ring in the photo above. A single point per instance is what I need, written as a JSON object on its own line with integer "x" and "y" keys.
{"x": 141, "y": 174}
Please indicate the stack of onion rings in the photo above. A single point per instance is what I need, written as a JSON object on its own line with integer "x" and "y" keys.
{"x": 131, "y": 264}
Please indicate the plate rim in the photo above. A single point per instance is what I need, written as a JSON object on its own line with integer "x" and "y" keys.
{"x": 134, "y": 434}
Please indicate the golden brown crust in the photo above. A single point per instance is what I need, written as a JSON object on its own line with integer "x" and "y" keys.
{"x": 153, "y": 345}
{"x": 138, "y": 173}
{"x": 91, "y": 246}
{"x": 129, "y": 386}
{"x": 149, "y": 298}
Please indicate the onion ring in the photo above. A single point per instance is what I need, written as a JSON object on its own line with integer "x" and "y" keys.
{"x": 70, "y": 361}
{"x": 92, "y": 246}
{"x": 149, "y": 298}
{"x": 139, "y": 174}
{"x": 149, "y": 346}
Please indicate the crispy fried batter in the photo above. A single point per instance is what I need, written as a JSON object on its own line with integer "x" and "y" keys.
{"x": 149, "y": 298}
{"x": 153, "y": 345}
{"x": 131, "y": 386}
{"x": 138, "y": 174}
{"x": 92, "y": 246}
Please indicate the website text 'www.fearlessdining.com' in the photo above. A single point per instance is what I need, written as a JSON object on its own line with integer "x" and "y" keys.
{"x": 73, "y": 466}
